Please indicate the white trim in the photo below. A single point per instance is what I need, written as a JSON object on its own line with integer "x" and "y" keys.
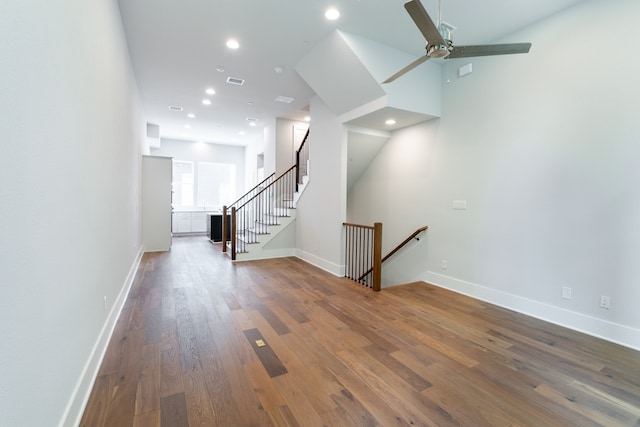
{"x": 610, "y": 331}
{"x": 80, "y": 396}
{"x": 265, "y": 254}
{"x": 329, "y": 267}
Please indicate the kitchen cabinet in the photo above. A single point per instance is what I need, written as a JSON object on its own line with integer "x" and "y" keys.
{"x": 194, "y": 222}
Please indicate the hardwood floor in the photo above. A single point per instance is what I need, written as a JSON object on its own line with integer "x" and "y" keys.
{"x": 184, "y": 353}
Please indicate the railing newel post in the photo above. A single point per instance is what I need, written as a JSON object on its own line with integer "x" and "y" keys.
{"x": 377, "y": 256}
{"x": 233, "y": 234}
{"x": 224, "y": 229}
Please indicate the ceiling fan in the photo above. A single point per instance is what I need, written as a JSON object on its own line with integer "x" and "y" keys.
{"x": 439, "y": 44}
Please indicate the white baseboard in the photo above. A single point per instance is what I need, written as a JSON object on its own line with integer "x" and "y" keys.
{"x": 619, "y": 334}
{"x": 265, "y": 254}
{"x": 82, "y": 391}
{"x": 328, "y": 266}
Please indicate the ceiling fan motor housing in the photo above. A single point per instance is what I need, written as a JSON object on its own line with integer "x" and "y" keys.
{"x": 440, "y": 50}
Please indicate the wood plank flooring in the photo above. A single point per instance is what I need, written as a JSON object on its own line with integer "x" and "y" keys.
{"x": 184, "y": 353}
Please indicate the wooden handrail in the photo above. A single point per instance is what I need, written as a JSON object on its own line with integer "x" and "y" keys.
{"x": 370, "y": 227}
{"x": 298, "y": 151}
{"x": 253, "y": 189}
{"x": 304, "y": 140}
{"x": 397, "y": 248}
{"x": 267, "y": 187}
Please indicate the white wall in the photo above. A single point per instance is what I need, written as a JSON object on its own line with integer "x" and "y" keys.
{"x": 72, "y": 132}
{"x": 285, "y": 152}
{"x": 270, "y": 148}
{"x": 322, "y": 207}
{"x": 544, "y": 147}
{"x": 252, "y": 150}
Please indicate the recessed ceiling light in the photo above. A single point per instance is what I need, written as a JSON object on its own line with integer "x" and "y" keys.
{"x": 220, "y": 69}
{"x": 332, "y": 14}
{"x": 390, "y": 122}
{"x": 210, "y": 91}
{"x": 307, "y": 119}
{"x": 187, "y": 126}
{"x": 233, "y": 44}
{"x": 278, "y": 69}
{"x": 252, "y": 124}
{"x": 206, "y": 102}
{"x": 174, "y": 108}
{"x": 191, "y": 116}
{"x": 241, "y": 133}
{"x": 249, "y": 103}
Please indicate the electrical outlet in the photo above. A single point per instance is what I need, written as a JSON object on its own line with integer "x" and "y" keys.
{"x": 605, "y": 302}
{"x": 566, "y": 292}
{"x": 444, "y": 264}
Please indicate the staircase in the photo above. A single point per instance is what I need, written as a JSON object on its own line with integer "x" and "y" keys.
{"x": 260, "y": 218}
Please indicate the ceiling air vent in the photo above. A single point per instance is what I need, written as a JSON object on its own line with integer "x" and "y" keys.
{"x": 174, "y": 108}
{"x": 235, "y": 81}
{"x": 284, "y": 99}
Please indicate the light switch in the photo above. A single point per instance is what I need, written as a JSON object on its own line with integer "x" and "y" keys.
{"x": 465, "y": 70}
{"x": 459, "y": 204}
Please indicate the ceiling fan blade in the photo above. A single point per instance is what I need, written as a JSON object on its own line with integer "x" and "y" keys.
{"x": 424, "y": 22}
{"x": 488, "y": 50}
{"x": 406, "y": 69}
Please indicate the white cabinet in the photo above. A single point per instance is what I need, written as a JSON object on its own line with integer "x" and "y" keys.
{"x": 182, "y": 222}
{"x": 190, "y": 222}
{"x": 198, "y": 222}
{"x": 156, "y": 203}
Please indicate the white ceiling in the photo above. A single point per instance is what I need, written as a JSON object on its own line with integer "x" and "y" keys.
{"x": 177, "y": 45}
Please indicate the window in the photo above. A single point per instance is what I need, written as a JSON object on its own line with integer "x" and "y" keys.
{"x": 203, "y": 185}
{"x": 182, "y": 184}
{"x": 216, "y": 185}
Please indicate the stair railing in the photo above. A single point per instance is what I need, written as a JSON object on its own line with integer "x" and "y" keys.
{"x": 255, "y": 190}
{"x": 226, "y": 210}
{"x": 256, "y": 213}
{"x": 302, "y": 160}
{"x": 396, "y": 249}
{"x": 363, "y": 253}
